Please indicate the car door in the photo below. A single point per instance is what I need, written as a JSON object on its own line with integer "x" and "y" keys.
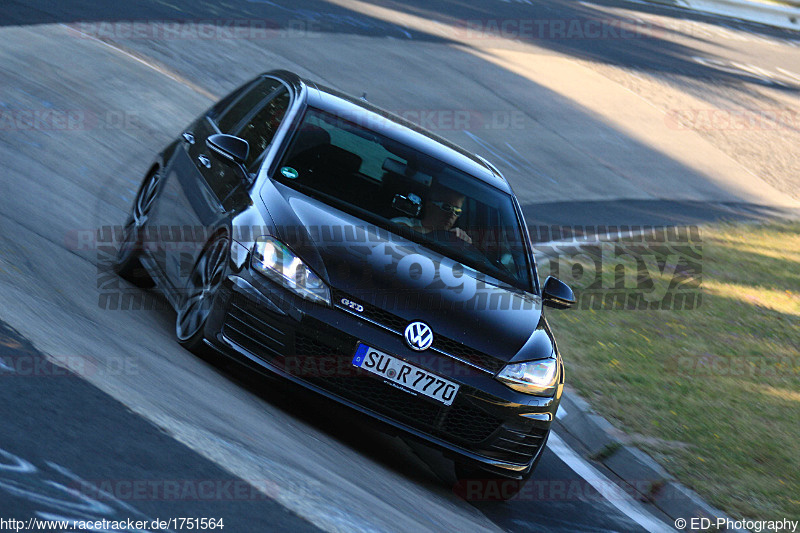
{"x": 203, "y": 190}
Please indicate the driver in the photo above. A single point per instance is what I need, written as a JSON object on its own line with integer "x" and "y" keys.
{"x": 442, "y": 209}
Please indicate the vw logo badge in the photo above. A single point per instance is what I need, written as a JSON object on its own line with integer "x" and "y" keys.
{"x": 419, "y": 336}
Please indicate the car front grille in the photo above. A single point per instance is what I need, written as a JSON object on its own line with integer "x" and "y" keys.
{"x": 468, "y": 354}
{"x": 459, "y": 422}
{"x": 444, "y": 344}
{"x": 300, "y": 353}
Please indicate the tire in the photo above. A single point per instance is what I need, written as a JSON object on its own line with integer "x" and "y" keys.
{"x": 127, "y": 263}
{"x": 201, "y": 289}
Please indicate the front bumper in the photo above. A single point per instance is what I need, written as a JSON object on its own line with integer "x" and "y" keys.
{"x": 498, "y": 429}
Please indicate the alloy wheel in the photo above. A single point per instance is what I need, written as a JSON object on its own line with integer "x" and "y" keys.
{"x": 201, "y": 288}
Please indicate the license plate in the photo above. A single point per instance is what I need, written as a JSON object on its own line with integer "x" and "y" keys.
{"x": 409, "y": 377}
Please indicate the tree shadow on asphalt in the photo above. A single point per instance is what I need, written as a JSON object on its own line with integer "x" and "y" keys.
{"x": 582, "y": 30}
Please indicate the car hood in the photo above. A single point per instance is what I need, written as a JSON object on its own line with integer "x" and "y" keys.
{"x": 403, "y": 281}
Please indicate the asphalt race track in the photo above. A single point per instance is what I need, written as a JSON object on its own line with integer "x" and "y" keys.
{"x": 140, "y": 427}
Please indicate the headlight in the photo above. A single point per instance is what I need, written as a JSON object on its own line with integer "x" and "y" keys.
{"x": 532, "y": 377}
{"x": 276, "y": 261}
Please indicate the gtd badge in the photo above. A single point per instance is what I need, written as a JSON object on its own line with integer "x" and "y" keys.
{"x": 419, "y": 336}
{"x": 352, "y": 305}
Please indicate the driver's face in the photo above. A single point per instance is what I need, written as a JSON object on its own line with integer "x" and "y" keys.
{"x": 438, "y": 214}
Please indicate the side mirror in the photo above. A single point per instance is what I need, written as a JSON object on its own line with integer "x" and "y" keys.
{"x": 557, "y": 294}
{"x": 229, "y": 148}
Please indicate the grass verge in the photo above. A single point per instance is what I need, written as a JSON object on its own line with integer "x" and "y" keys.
{"x": 711, "y": 392}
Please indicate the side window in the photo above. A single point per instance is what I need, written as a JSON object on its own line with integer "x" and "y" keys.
{"x": 229, "y": 118}
{"x": 218, "y": 108}
{"x": 260, "y": 128}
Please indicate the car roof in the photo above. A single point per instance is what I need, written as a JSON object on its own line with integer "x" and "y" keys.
{"x": 394, "y": 127}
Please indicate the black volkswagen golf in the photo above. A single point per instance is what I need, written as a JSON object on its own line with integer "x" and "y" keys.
{"x": 320, "y": 238}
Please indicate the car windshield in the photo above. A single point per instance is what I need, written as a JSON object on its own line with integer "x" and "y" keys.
{"x": 408, "y": 192}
